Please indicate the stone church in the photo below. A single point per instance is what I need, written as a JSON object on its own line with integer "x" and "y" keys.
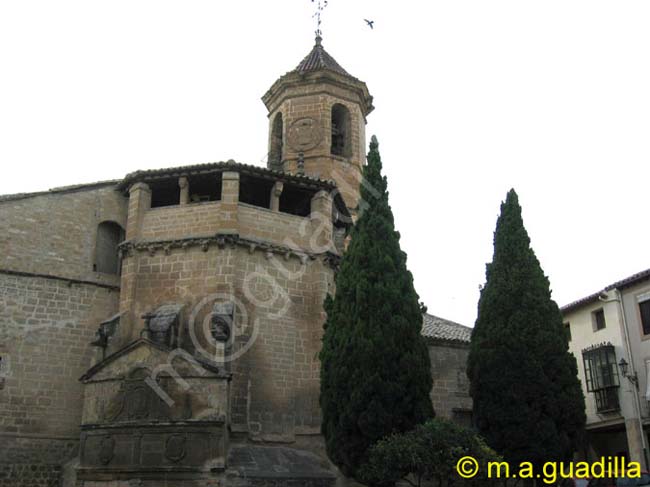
{"x": 164, "y": 329}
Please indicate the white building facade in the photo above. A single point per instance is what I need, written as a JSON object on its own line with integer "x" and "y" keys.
{"x": 609, "y": 334}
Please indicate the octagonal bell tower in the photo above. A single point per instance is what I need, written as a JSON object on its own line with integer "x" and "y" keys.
{"x": 317, "y": 123}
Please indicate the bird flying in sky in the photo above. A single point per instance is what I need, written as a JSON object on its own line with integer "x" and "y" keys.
{"x": 370, "y": 23}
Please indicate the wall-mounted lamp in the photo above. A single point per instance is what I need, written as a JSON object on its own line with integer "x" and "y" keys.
{"x": 634, "y": 379}
{"x": 105, "y": 330}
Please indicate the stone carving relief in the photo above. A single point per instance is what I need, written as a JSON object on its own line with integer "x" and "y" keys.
{"x": 304, "y": 134}
{"x": 221, "y": 321}
{"x": 162, "y": 324}
{"x": 175, "y": 447}
{"x": 106, "y": 450}
{"x": 136, "y": 400}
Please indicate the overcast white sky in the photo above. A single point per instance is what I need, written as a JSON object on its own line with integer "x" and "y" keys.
{"x": 472, "y": 98}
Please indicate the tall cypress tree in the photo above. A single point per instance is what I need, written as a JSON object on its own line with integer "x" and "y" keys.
{"x": 528, "y": 402}
{"x": 375, "y": 369}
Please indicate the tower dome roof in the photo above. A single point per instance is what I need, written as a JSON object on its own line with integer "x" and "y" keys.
{"x": 319, "y": 58}
{"x": 316, "y": 70}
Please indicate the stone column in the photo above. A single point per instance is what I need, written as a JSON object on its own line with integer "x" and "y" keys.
{"x": 139, "y": 202}
{"x": 634, "y": 442}
{"x": 321, "y": 223}
{"x": 184, "y": 184}
{"x": 275, "y": 195}
{"x": 229, "y": 200}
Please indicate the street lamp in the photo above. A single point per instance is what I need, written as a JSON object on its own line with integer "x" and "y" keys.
{"x": 632, "y": 378}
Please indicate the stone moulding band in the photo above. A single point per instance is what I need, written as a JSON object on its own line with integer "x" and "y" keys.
{"x": 68, "y": 280}
{"x": 128, "y": 247}
{"x": 154, "y": 424}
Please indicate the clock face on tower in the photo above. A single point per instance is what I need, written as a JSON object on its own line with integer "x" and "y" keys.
{"x": 304, "y": 134}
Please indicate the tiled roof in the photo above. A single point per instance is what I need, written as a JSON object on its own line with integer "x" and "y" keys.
{"x": 622, "y": 284}
{"x": 436, "y": 328}
{"x": 228, "y": 165}
{"x": 319, "y": 58}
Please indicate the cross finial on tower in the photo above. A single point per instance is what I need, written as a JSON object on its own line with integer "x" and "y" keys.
{"x": 320, "y": 6}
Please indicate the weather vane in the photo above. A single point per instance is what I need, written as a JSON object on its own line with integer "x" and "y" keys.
{"x": 320, "y": 6}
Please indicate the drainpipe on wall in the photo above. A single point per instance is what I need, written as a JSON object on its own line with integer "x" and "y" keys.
{"x": 635, "y": 389}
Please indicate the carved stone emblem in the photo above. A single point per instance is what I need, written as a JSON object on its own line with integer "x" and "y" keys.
{"x": 175, "y": 448}
{"x": 304, "y": 134}
{"x": 136, "y": 400}
{"x": 106, "y": 450}
{"x": 221, "y": 321}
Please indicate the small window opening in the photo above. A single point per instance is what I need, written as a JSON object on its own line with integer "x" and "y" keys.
{"x": 341, "y": 128}
{"x": 205, "y": 188}
{"x": 165, "y": 193}
{"x": 275, "y": 152}
{"x": 255, "y": 191}
{"x": 598, "y": 319}
{"x": 601, "y": 374}
{"x": 296, "y": 201}
{"x": 109, "y": 236}
{"x": 644, "y": 311}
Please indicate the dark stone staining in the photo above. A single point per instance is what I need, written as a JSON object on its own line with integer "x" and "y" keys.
{"x": 278, "y": 466}
{"x": 141, "y": 432}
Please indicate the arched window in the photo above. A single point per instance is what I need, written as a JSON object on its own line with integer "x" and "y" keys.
{"x": 109, "y": 236}
{"x": 341, "y": 129}
{"x": 275, "y": 152}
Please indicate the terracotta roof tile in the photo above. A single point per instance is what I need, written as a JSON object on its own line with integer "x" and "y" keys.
{"x": 319, "y": 58}
{"x": 436, "y": 328}
{"x": 622, "y": 284}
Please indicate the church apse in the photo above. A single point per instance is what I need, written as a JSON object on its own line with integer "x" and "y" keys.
{"x": 196, "y": 361}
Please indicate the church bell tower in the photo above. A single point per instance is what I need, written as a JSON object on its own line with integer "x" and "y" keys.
{"x": 317, "y": 120}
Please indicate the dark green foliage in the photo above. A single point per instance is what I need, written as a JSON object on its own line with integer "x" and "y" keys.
{"x": 528, "y": 403}
{"x": 430, "y": 452}
{"x": 375, "y": 370}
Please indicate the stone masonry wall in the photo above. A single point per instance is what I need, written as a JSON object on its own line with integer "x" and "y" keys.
{"x": 170, "y": 222}
{"x": 204, "y": 219}
{"x": 46, "y": 328}
{"x": 54, "y": 233}
{"x": 450, "y": 393}
{"x": 275, "y": 227}
{"x": 276, "y": 385}
{"x": 278, "y": 322}
{"x": 319, "y": 162}
{"x": 30, "y": 475}
{"x": 51, "y": 302}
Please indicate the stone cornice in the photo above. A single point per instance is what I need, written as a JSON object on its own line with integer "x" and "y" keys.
{"x": 294, "y": 79}
{"x": 223, "y": 240}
